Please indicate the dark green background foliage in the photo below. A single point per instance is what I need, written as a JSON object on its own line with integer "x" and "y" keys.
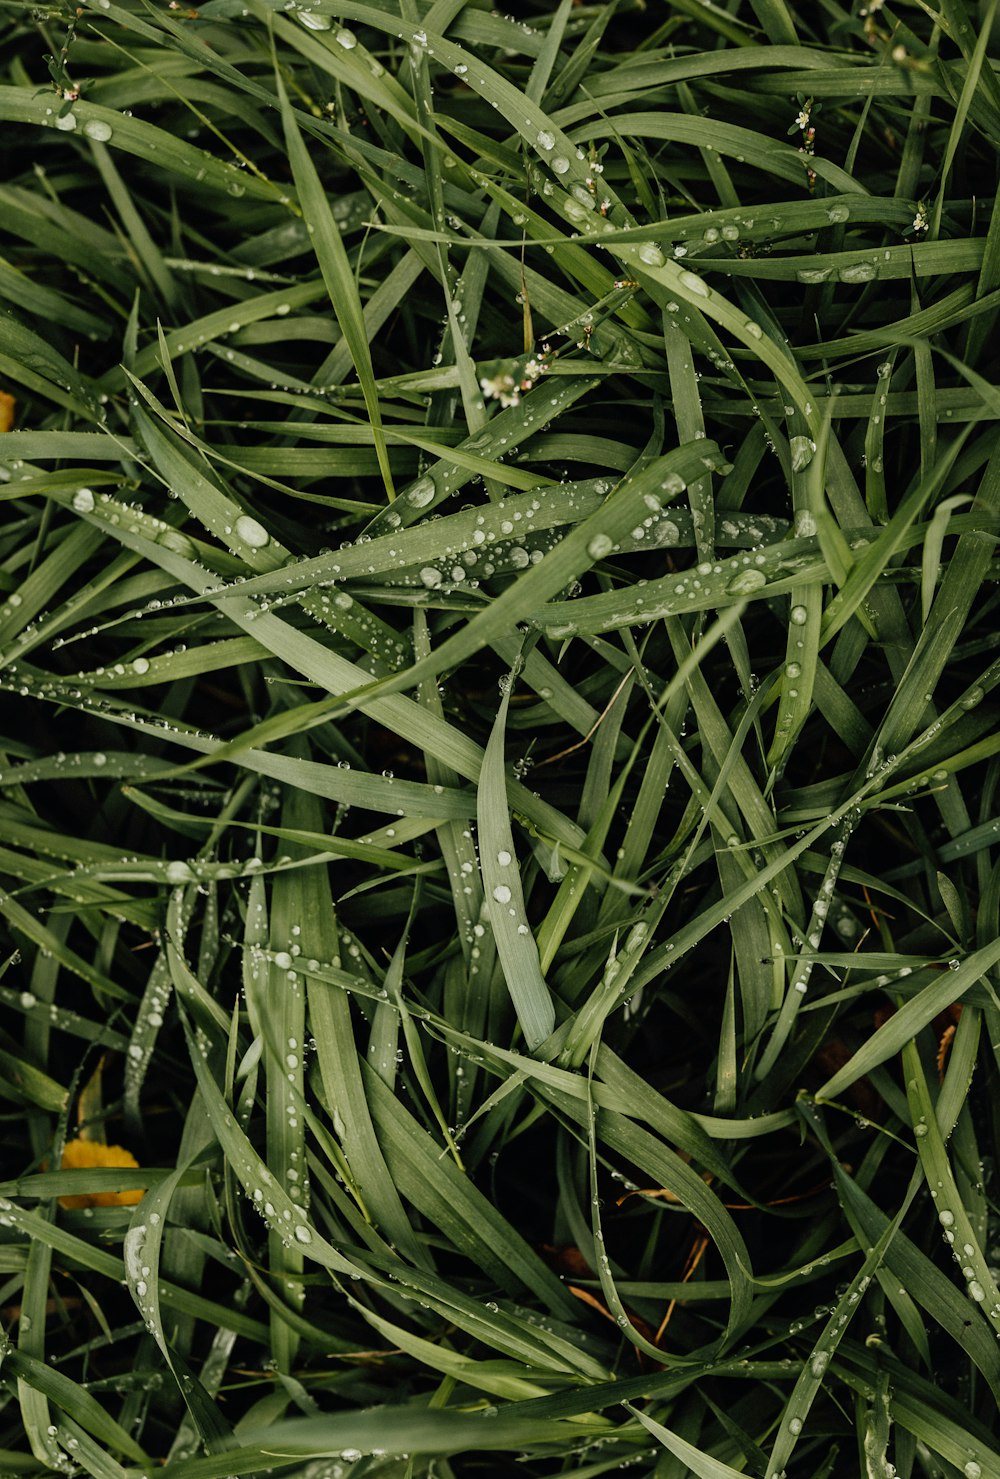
{"x": 498, "y": 712}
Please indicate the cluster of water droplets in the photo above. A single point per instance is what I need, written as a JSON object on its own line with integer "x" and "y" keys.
{"x": 145, "y": 1031}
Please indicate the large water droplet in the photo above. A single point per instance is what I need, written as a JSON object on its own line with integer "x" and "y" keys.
{"x": 422, "y": 493}
{"x": 251, "y": 532}
{"x": 746, "y": 582}
{"x": 546, "y": 140}
{"x": 802, "y": 449}
{"x": 858, "y": 272}
{"x": 695, "y": 284}
{"x": 650, "y": 253}
{"x": 83, "y": 501}
{"x": 600, "y": 546}
{"x": 96, "y": 128}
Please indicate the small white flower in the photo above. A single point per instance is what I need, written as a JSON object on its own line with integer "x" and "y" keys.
{"x": 802, "y": 118}
{"x": 920, "y": 220}
{"x": 500, "y": 388}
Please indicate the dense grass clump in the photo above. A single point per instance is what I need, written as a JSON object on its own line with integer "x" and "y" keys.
{"x": 498, "y": 713}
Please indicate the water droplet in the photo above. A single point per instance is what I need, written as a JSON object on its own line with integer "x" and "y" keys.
{"x": 650, "y": 253}
{"x": 802, "y": 449}
{"x": 422, "y": 493}
{"x": 546, "y": 140}
{"x": 858, "y": 272}
{"x": 313, "y": 22}
{"x": 251, "y": 532}
{"x": 695, "y": 284}
{"x": 302, "y": 1233}
{"x": 503, "y": 857}
{"x": 67, "y": 122}
{"x": 798, "y": 616}
{"x": 430, "y": 576}
{"x": 96, "y": 128}
{"x": 83, "y": 500}
{"x": 746, "y": 582}
{"x": 838, "y": 214}
{"x": 141, "y": 665}
{"x": 559, "y": 164}
{"x": 502, "y": 893}
{"x": 600, "y": 546}
{"x": 346, "y": 39}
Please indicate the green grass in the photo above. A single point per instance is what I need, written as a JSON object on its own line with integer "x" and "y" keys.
{"x": 498, "y": 713}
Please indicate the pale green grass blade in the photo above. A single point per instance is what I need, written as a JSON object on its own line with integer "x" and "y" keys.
{"x": 337, "y": 274}
{"x": 516, "y": 947}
